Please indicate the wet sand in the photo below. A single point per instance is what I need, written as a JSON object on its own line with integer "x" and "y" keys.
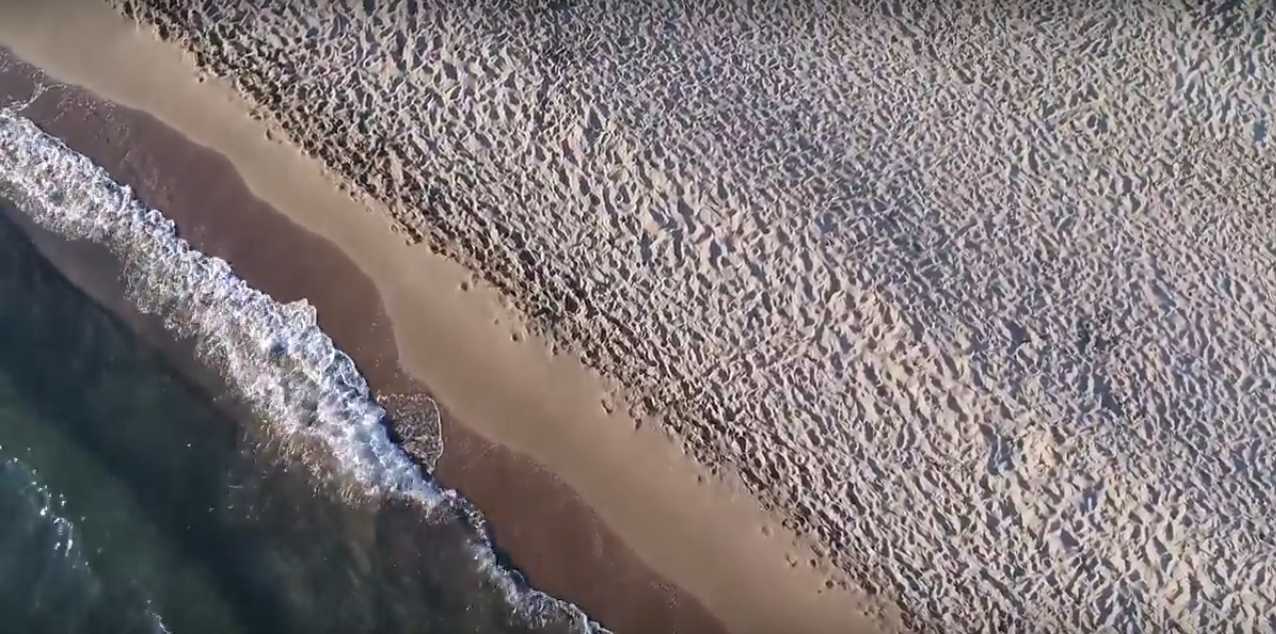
{"x": 593, "y": 507}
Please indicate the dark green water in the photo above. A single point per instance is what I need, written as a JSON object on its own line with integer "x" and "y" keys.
{"x": 135, "y": 500}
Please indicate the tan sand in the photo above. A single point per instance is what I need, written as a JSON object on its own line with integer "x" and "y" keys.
{"x": 472, "y": 353}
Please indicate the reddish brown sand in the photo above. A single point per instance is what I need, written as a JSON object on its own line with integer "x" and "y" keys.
{"x": 540, "y": 523}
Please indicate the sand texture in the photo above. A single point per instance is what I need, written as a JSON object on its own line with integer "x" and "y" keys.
{"x": 980, "y": 298}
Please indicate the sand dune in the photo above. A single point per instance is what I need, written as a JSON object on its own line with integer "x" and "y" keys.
{"x": 980, "y": 297}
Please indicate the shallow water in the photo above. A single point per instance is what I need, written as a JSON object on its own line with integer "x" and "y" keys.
{"x": 141, "y": 500}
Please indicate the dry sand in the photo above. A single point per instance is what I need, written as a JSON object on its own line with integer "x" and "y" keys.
{"x": 978, "y": 293}
{"x": 457, "y": 337}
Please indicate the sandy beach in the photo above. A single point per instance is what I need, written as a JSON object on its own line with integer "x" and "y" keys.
{"x": 759, "y": 317}
{"x": 594, "y": 507}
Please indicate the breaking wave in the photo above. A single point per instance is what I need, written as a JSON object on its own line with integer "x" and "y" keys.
{"x": 273, "y": 354}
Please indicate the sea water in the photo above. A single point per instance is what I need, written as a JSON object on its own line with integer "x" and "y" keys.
{"x": 137, "y": 498}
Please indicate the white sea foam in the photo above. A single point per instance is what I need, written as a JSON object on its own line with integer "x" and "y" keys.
{"x": 273, "y": 353}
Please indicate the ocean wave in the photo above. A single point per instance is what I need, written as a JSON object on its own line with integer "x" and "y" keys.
{"x": 273, "y": 353}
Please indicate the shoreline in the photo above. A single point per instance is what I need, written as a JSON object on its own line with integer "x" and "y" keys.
{"x": 531, "y": 411}
{"x": 103, "y": 130}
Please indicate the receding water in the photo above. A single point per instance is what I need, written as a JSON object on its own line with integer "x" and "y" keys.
{"x": 138, "y": 499}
